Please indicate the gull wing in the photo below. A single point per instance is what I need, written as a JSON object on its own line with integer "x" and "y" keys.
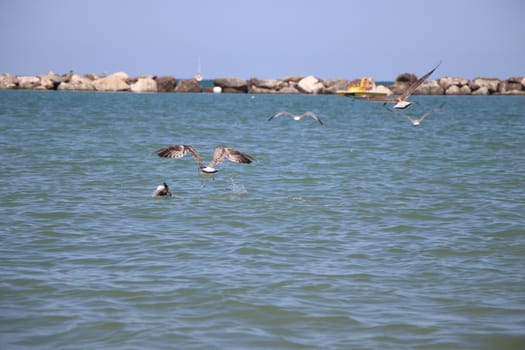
{"x": 426, "y": 114}
{"x": 231, "y": 154}
{"x": 313, "y": 115}
{"x": 385, "y": 99}
{"x": 410, "y": 90}
{"x": 178, "y": 151}
{"x": 278, "y": 114}
{"x": 399, "y": 113}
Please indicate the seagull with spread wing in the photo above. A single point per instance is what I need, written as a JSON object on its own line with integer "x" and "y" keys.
{"x": 297, "y": 116}
{"x": 401, "y": 101}
{"x": 220, "y": 153}
{"x": 418, "y": 121}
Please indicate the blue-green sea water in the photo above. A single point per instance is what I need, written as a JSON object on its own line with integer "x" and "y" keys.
{"x": 362, "y": 233}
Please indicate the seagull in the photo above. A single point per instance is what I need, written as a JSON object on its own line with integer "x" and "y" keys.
{"x": 400, "y": 101}
{"x": 418, "y": 121}
{"x": 297, "y": 116}
{"x": 162, "y": 191}
{"x": 179, "y": 151}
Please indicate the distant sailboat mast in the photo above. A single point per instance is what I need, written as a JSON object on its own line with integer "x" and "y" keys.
{"x": 198, "y": 76}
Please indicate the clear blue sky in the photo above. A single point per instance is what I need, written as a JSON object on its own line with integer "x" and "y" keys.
{"x": 264, "y": 39}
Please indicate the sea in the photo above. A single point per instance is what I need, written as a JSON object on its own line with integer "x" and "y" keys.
{"x": 362, "y": 233}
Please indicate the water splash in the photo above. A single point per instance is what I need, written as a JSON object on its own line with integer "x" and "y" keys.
{"x": 237, "y": 188}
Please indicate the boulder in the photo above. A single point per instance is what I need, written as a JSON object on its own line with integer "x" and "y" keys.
{"x": 507, "y": 86}
{"x": 270, "y": 84}
{"x": 490, "y": 83}
{"x": 446, "y": 82}
{"x": 332, "y": 85}
{"x": 8, "y": 81}
{"x": 76, "y": 83}
{"x": 458, "y": 90}
{"x": 114, "y": 82}
{"x": 399, "y": 87}
{"x": 147, "y": 84}
{"x": 189, "y": 85}
{"x": 406, "y": 78}
{"x": 465, "y": 89}
{"x": 515, "y": 79}
{"x": 166, "y": 84}
{"x": 28, "y": 82}
{"x": 231, "y": 84}
{"x": 481, "y": 91}
{"x": 292, "y": 79}
{"x": 310, "y": 85}
{"x": 260, "y": 90}
{"x": 49, "y": 81}
{"x": 382, "y": 88}
{"x": 430, "y": 87}
{"x": 289, "y": 90}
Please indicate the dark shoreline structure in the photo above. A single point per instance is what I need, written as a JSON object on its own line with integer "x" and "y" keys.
{"x": 120, "y": 81}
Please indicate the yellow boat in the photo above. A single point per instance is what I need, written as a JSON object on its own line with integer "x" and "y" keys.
{"x": 366, "y": 87}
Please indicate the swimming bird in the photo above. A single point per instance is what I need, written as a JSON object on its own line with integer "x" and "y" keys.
{"x": 220, "y": 153}
{"x": 162, "y": 191}
{"x": 297, "y": 116}
{"x": 401, "y": 101}
{"x": 418, "y": 121}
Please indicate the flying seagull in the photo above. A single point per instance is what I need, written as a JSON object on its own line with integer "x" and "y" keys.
{"x": 162, "y": 191}
{"x": 401, "y": 101}
{"x": 179, "y": 151}
{"x": 297, "y": 116}
{"x": 419, "y": 120}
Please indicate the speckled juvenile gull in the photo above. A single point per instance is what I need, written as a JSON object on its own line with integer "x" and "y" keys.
{"x": 401, "y": 101}
{"x": 220, "y": 153}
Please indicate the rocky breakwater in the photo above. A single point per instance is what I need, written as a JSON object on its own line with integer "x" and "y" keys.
{"x": 461, "y": 86}
{"x": 121, "y": 81}
{"x": 287, "y": 85}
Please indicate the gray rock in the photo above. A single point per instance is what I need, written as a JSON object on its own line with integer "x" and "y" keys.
{"x": 76, "y": 83}
{"x": 189, "y": 85}
{"x": 507, "y": 86}
{"x": 446, "y": 82}
{"x": 490, "y": 83}
{"x": 310, "y": 85}
{"x": 28, "y": 82}
{"x": 430, "y": 87}
{"x": 406, "y": 78}
{"x": 458, "y": 90}
{"x": 292, "y": 79}
{"x": 50, "y": 81}
{"x": 481, "y": 91}
{"x": 270, "y": 84}
{"x": 231, "y": 84}
{"x": 166, "y": 84}
{"x": 399, "y": 87}
{"x": 515, "y": 79}
{"x": 8, "y": 81}
{"x": 147, "y": 84}
{"x": 114, "y": 82}
{"x": 289, "y": 90}
{"x": 332, "y": 85}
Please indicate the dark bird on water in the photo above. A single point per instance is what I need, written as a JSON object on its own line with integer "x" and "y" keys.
{"x": 162, "y": 191}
